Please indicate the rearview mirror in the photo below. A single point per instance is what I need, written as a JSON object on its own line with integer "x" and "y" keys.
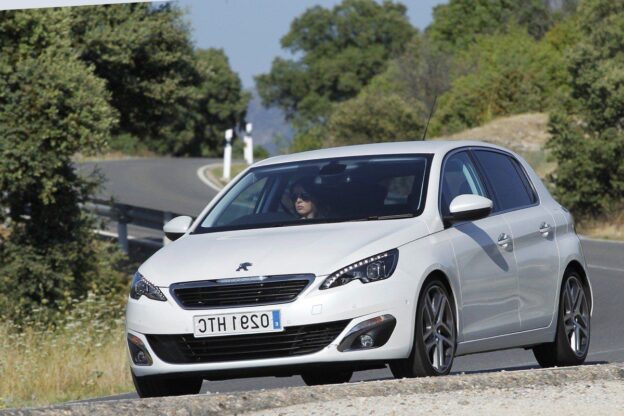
{"x": 177, "y": 227}
{"x": 469, "y": 208}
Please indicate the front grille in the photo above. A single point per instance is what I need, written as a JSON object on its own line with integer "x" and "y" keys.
{"x": 227, "y": 293}
{"x": 294, "y": 340}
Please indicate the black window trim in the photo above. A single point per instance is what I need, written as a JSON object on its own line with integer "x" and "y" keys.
{"x": 484, "y": 179}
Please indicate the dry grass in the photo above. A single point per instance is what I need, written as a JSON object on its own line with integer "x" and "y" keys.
{"x": 112, "y": 155}
{"x": 84, "y": 356}
{"x": 609, "y": 227}
{"x": 525, "y": 134}
{"x": 216, "y": 173}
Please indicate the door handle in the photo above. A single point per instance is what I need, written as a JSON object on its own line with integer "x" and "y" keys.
{"x": 545, "y": 229}
{"x": 504, "y": 240}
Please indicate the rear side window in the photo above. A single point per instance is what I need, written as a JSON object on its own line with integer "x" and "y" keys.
{"x": 509, "y": 184}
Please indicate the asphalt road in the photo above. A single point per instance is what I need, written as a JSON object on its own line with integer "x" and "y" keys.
{"x": 172, "y": 184}
{"x": 165, "y": 184}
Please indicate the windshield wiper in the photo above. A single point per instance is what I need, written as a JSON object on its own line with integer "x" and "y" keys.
{"x": 302, "y": 221}
{"x": 385, "y": 217}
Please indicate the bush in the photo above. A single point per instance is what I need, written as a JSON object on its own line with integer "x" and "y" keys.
{"x": 588, "y": 130}
{"x": 374, "y": 117}
{"x": 51, "y": 106}
{"x": 505, "y": 74}
{"x": 457, "y": 24}
{"x": 260, "y": 152}
{"x": 128, "y": 145}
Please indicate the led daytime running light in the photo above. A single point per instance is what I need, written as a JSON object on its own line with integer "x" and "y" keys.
{"x": 143, "y": 287}
{"x": 388, "y": 255}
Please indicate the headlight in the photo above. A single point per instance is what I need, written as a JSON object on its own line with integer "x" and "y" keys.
{"x": 142, "y": 287}
{"x": 371, "y": 269}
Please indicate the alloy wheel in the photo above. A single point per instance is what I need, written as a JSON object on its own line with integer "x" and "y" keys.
{"x": 438, "y": 333}
{"x": 576, "y": 316}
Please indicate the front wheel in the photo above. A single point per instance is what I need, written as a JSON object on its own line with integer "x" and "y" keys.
{"x": 159, "y": 386}
{"x": 572, "y": 338}
{"x": 316, "y": 378}
{"x": 435, "y": 336}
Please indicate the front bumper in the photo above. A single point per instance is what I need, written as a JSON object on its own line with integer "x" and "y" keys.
{"x": 356, "y": 302}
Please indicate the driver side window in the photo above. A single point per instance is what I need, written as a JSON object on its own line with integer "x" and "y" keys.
{"x": 459, "y": 177}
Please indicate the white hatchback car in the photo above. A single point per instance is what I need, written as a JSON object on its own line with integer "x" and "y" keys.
{"x": 325, "y": 262}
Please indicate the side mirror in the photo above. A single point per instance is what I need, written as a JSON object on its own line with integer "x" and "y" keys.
{"x": 177, "y": 227}
{"x": 469, "y": 208}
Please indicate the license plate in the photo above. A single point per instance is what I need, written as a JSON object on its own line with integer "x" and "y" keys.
{"x": 237, "y": 323}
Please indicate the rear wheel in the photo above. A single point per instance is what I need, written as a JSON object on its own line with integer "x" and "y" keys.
{"x": 315, "y": 378}
{"x": 573, "y": 330}
{"x": 435, "y": 336}
{"x": 158, "y": 386}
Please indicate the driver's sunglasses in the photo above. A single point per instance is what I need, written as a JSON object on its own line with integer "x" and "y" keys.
{"x": 305, "y": 197}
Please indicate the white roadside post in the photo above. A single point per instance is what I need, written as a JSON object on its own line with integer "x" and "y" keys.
{"x": 227, "y": 154}
{"x": 248, "y": 144}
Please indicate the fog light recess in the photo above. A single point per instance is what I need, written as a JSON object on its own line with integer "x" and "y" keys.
{"x": 372, "y": 333}
{"x": 138, "y": 351}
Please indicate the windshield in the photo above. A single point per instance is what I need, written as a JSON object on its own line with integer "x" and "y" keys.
{"x": 327, "y": 190}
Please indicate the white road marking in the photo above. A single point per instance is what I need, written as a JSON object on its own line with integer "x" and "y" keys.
{"x": 611, "y": 269}
{"x": 202, "y": 177}
{"x": 606, "y": 351}
{"x": 600, "y": 240}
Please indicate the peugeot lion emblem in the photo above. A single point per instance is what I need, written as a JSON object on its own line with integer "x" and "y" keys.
{"x": 243, "y": 266}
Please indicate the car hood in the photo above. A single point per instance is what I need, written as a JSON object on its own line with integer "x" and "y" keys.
{"x": 319, "y": 249}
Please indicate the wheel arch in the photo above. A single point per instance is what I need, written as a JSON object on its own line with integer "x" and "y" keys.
{"x": 575, "y": 265}
{"x": 446, "y": 281}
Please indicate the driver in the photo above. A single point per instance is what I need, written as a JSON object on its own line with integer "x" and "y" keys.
{"x": 304, "y": 199}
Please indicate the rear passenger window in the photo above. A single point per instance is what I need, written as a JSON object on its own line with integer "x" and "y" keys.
{"x": 510, "y": 186}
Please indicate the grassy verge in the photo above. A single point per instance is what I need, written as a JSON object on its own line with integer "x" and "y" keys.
{"x": 83, "y": 356}
{"x": 217, "y": 172}
{"x": 610, "y": 227}
{"x": 112, "y": 155}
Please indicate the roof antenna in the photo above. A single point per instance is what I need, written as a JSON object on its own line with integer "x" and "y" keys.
{"x": 430, "y": 115}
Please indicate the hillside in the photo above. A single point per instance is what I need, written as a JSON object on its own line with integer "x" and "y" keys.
{"x": 267, "y": 123}
{"x": 525, "y": 134}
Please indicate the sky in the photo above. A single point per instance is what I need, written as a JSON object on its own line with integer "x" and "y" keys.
{"x": 249, "y": 30}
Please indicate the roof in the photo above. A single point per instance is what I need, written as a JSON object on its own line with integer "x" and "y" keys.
{"x": 439, "y": 147}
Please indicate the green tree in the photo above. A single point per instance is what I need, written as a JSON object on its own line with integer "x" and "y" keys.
{"x": 146, "y": 57}
{"x": 170, "y": 97}
{"x": 51, "y": 106}
{"x": 457, "y": 25}
{"x": 422, "y": 73}
{"x": 375, "y": 115}
{"x": 339, "y": 51}
{"x": 508, "y": 74}
{"x": 588, "y": 131}
{"x": 221, "y": 103}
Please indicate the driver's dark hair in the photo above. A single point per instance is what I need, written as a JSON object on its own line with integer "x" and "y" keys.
{"x": 310, "y": 186}
{"x": 307, "y": 183}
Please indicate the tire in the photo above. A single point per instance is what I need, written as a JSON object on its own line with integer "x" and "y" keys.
{"x": 572, "y": 338}
{"x": 158, "y": 386}
{"x": 317, "y": 378}
{"x": 435, "y": 336}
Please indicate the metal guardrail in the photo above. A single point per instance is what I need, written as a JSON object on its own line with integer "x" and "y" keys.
{"x": 124, "y": 214}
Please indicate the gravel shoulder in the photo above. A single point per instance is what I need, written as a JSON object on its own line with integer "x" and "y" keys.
{"x": 599, "y": 398}
{"x": 597, "y": 388}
